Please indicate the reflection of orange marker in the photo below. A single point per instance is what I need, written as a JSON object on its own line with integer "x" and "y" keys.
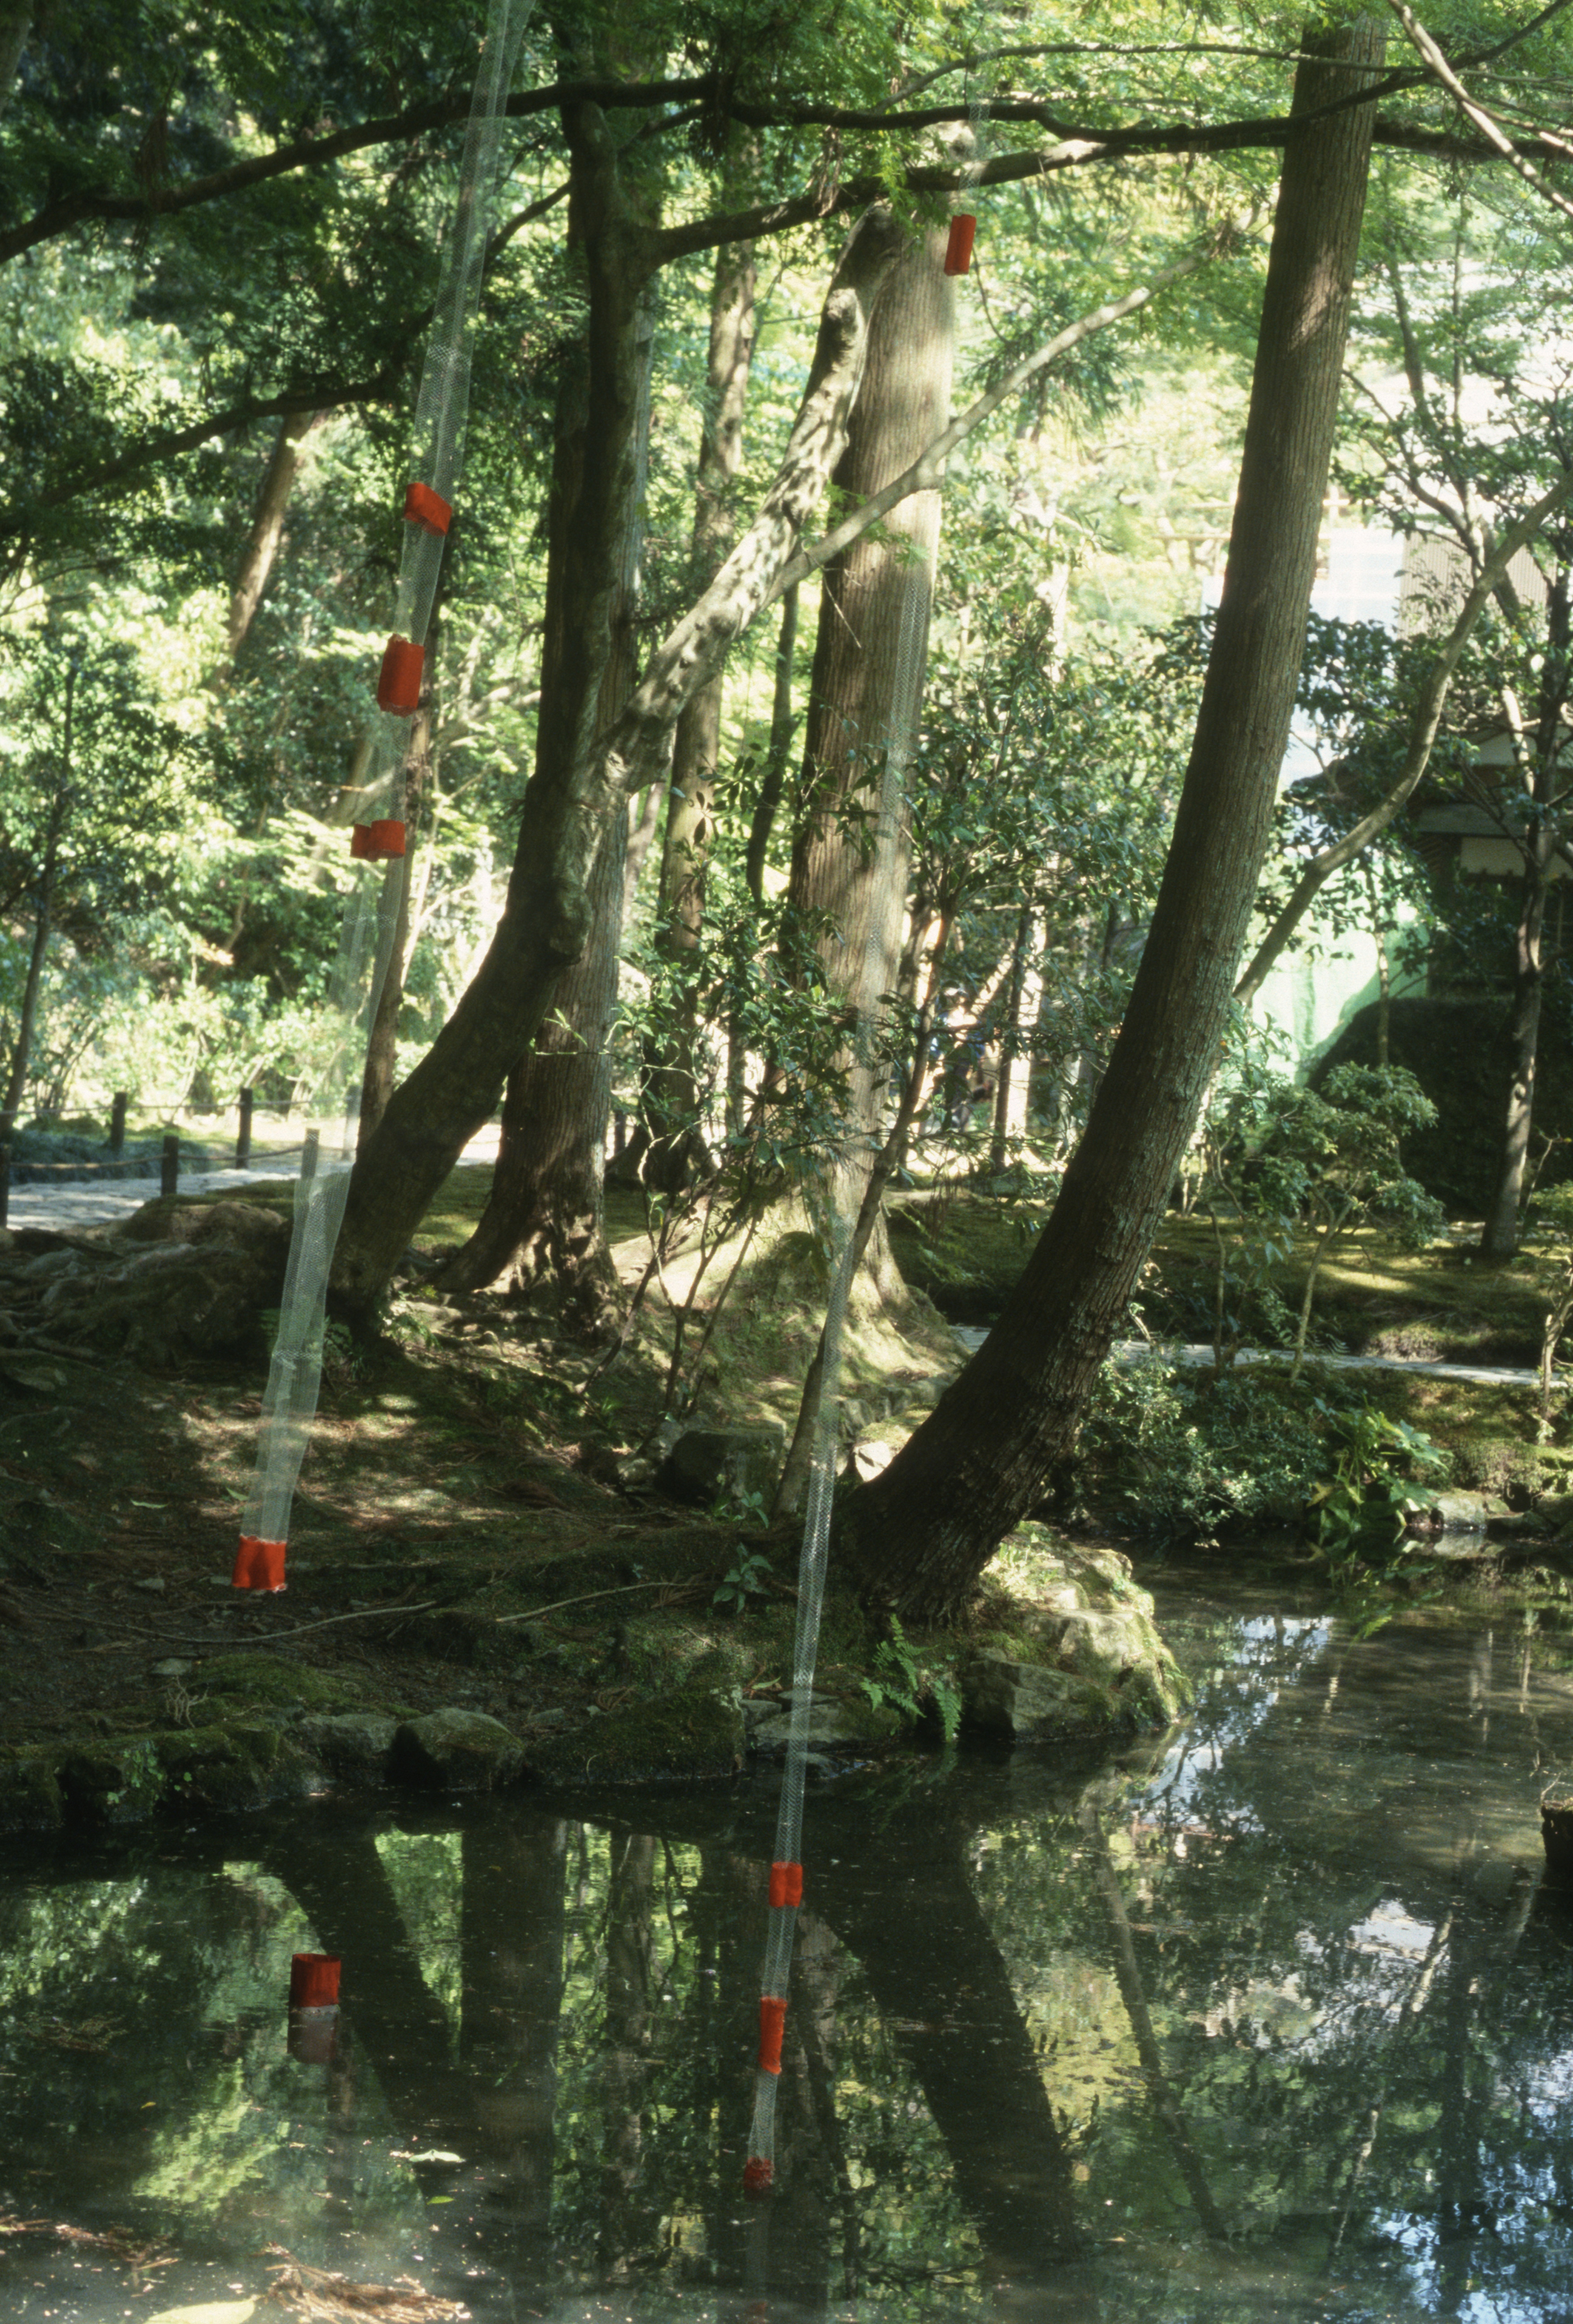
{"x": 258, "y": 1564}
{"x": 757, "y": 2174}
{"x": 959, "y": 249}
{"x": 313, "y": 2036}
{"x": 314, "y": 1981}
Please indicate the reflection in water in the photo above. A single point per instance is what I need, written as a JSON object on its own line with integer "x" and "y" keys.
{"x": 1268, "y": 2020}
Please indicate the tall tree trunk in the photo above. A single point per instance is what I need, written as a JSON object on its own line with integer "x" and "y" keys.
{"x": 267, "y": 529}
{"x": 673, "y": 1097}
{"x": 871, "y": 648}
{"x": 573, "y": 796}
{"x": 920, "y": 1534}
{"x": 544, "y": 1220}
{"x": 864, "y": 694}
{"x": 15, "y": 24}
{"x": 1499, "y": 1237}
{"x": 44, "y": 924}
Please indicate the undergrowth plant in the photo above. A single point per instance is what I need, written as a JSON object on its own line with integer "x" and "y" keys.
{"x": 901, "y": 1682}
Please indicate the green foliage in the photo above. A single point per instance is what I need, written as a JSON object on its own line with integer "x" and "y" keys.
{"x": 901, "y": 1682}
{"x": 748, "y": 1576}
{"x": 1363, "y": 1507}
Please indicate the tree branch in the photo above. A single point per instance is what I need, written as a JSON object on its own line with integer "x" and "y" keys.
{"x": 1442, "y": 72}
{"x": 150, "y": 451}
{"x": 928, "y": 471}
{"x": 87, "y": 204}
{"x": 1422, "y": 734}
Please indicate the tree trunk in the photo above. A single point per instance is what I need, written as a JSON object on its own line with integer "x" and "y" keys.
{"x": 15, "y": 24}
{"x": 267, "y": 528}
{"x": 383, "y": 1046}
{"x": 545, "y": 1216}
{"x": 871, "y": 649}
{"x": 573, "y": 796}
{"x": 865, "y": 692}
{"x": 920, "y": 1534}
{"x": 1499, "y": 1236}
{"x": 673, "y": 1093}
{"x": 43, "y": 927}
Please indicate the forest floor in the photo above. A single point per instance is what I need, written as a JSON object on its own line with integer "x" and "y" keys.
{"x": 479, "y": 1527}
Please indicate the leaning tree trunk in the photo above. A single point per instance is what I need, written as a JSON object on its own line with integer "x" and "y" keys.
{"x": 672, "y": 1094}
{"x": 848, "y": 874}
{"x": 544, "y": 1220}
{"x": 572, "y": 799}
{"x": 919, "y": 1536}
{"x": 267, "y": 529}
{"x": 1499, "y": 1237}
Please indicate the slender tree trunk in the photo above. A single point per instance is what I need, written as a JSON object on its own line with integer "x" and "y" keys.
{"x": 920, "y": 1534}
{"x": 864, "y": 695}
{"x": 545, "y": 1217}
{"x": 574, "y": 796}
{"x": 15, "y": 24}
{"x": 674, "y": 1089}
{"x": 267, "y": 529}
{"x": 43, "y": 927}
{"x": 1499, "y": 1237}
{"x": 383, "y": 1046}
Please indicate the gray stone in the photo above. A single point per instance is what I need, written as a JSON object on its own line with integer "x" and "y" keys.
{"x": 833, "y": 1726}
{"x": 355, "y": 1746}
{"x": 1024, "y": 1700}
{"x": 461, "y": 1750}
{"x": 705, "y": 1463}
{"x": 1460, "y": 1513}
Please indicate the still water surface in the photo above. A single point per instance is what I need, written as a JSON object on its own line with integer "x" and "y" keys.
{"x": 1268, "y": 2020}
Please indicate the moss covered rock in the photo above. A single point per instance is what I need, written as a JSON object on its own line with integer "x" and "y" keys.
{"x": 1083, "y": 1656}
{"x": 457, "y": 1750}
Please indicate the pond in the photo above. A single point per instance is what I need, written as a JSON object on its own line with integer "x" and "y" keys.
{"x": 1267, "y": 2019}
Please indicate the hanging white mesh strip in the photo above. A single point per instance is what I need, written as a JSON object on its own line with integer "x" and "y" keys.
{"x": 331, "y": 1096}
{"x": 842, "y": 1192}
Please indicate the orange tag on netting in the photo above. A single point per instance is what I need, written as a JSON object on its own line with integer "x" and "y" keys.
{"x": 772, "y": 2025}
{"x": 757, "y": 2174}
{"x": 786, "y": 1884}
{"x": 959, "y": 249}
{"x": 399, "y": 680}
{"x": 372, "y": 843}
{"x": 427, "y": 509}
{"x": 258, "y": 1564}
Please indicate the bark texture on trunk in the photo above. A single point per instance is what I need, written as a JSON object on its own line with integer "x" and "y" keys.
{"x": 544, "y": 1224}
{"x": 267, "y": 529}
{"x": 848, "y": 870}
{"x": 919, "y": 1536}
{"x": 673, "y": 1088}
{"x": 546, "y": 921}
{"x": 1521, "y": 1034}
{"x": 872, "y": 645}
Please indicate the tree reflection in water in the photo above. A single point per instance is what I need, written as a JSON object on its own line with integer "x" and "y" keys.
{"x": 1270, "y": 2022}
